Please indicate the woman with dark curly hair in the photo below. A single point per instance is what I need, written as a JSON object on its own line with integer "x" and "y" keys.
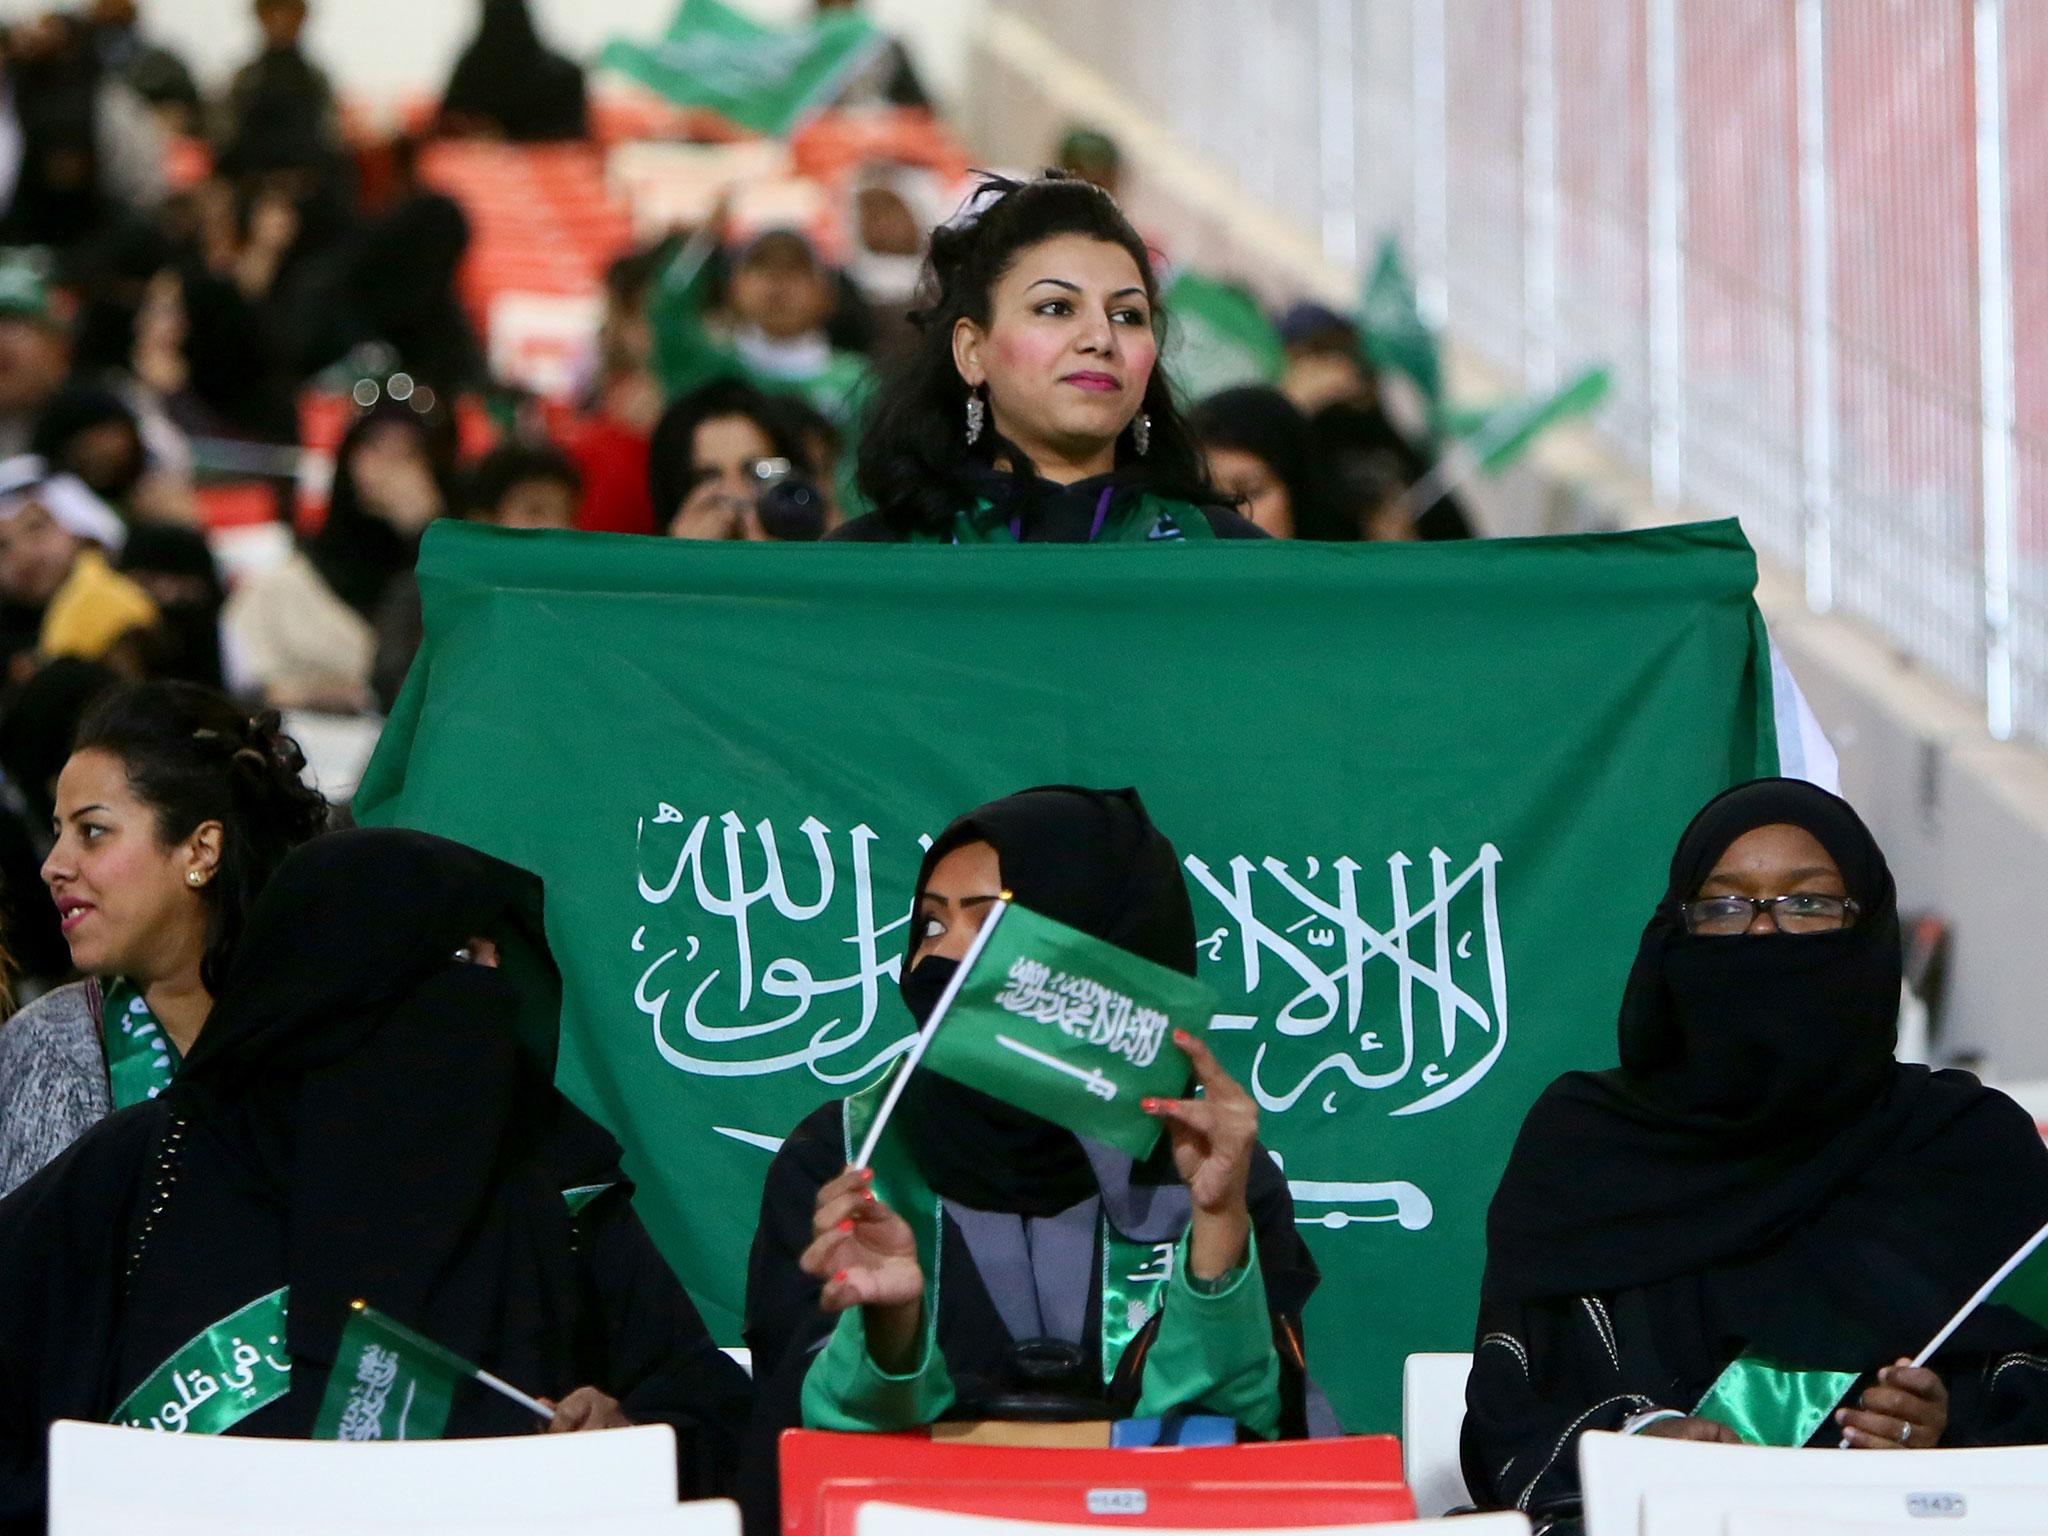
{"x": 172, "y": 812}
{"x": 1032, "y": 408}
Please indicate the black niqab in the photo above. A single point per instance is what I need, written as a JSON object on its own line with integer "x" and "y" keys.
{"x": 1091, "y": 859}
{"x": 1759, "y": 1135}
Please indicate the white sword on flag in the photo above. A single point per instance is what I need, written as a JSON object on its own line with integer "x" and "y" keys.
{"x": 924, "y": 1037}
{"x": 1094, "y": 1081}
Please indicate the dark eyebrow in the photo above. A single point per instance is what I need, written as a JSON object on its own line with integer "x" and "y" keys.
{"x": 83, "y": 809}
{"x": 1122, "y": 291}
{"x": 1057, "y": 282}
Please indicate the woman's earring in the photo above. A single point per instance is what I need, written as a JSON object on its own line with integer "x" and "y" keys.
{"x": 1141, "y": 433}
{"x": 977, "y": 414}
{"x": 194, "y": 878}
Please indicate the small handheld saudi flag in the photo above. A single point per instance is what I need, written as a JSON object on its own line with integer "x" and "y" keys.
{"x": 390, "y": 1383}
{"x": 2020, "y": 1283}
{"x": 1072, "y": 1029}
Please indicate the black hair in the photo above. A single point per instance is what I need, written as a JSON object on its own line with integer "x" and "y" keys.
{"x": 811, "y": 427}
{"x": 671, "y": 455}
{"x": 492, "y": 478}
{"x": 194, "y": 756}
{"x": 914, "y": 453}
{"x": 1259, "y": 420}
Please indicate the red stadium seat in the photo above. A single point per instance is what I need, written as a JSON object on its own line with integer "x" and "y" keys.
{"x": 826, "y": 1477}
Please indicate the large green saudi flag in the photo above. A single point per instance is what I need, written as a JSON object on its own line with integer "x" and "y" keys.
{"x": 1424, "y": 794}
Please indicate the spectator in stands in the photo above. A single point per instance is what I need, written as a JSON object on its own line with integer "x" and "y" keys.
{"x": 1032, "y": 408}
{"x": 89, "y": 154}
{"x": 94, "y": 434}
{"x": 510, "y": 85}
{"x": 175, "y": 566}
{"x": 780, "y": 294}
{"x": 515, "y": 485}
{"x": 37, "y": 727}
{"x": 621, "y": 401}
{"x": 705, "y": 469}
{"x": 1372, "y": 466}
{"x": 1090, "y": 155}
{"x": 280, "y": 108}
{"x": 1033, "y": 1215}
{"x": 34, "y": 354}
{"x": 370, "y": 1112}
{"x": 1759, "y": 1180}
{"x": 55, "y": 539}
{"x": 151, "y": 70}
{"x": 174, "y": 809}
{"x": 890, "y": 209}
{"x": 393, "y": 282}
{"x": 301, "y": 634}
{"x": 1262, "y": 454}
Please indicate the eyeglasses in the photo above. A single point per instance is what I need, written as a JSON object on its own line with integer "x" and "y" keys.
{"x": 1802, "y": 912}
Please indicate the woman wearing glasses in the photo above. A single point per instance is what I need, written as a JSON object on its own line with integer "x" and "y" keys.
{"x": 1747, "y": 1229}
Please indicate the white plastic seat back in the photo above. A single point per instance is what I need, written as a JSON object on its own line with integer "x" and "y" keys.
{"x": 231, "y": 1479}
{"x": 1643, "y": 1485}
{"x": 709, "y": 1517}
{"x": 1432, "y": 1415}
{"x": 877, "y": 1519}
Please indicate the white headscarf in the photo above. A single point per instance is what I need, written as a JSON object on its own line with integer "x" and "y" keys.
{"x": 26, "y": 478}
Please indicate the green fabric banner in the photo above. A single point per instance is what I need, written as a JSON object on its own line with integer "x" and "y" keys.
{"x": 1425, "y": 796}
{"x": 1072, "y": 1029}
{"x": 217, "y": 1378}
{"x": 767, "y": 80}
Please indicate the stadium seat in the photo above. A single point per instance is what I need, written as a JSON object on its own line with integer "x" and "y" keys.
{"x": 826, "y": 1477}
{"x": 1432, "y": 1414}
{"x": 1638, "y": 1485}
{"x": 905, "y": 1520}
{"x": 238, "y": 1482}
{"x": 709, "y": 1517}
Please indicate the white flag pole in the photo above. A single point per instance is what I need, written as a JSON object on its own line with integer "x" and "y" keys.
{"x": 924, "y": 1038}
{"x": 1983, "y": 1291}
{"x": 504, "y": 1388}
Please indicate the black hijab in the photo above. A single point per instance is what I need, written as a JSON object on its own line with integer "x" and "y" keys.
{"x": 401, "y": 1103}
{"x": 1264, "y": 423}
{"x": 1758, "y": 1134}
{"x": 357, "y": 552}
{"x": 1091, "y": 859}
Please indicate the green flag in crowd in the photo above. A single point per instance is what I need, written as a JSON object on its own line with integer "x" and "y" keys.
{"x": 1496, "y": 436}
{"x": 1219, "y": 337}
{"x": 2025, "y": 1289}
{"x": 388, "y": 1383}
{"x": 1076, "y": 1031}
{"x": 765, "y": 79}
{"x": 1418, "y": 864}
{"x": 1395, "y": 336}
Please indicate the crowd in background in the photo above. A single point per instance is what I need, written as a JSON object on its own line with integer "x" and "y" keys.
{"x": 186, "y": 276}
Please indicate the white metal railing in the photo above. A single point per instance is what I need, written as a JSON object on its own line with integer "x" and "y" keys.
{"x": 1809, "y": 238}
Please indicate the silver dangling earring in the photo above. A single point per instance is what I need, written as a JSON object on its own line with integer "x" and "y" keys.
{"x": 1141, "y": 433}
{"x": 977, "y": 415}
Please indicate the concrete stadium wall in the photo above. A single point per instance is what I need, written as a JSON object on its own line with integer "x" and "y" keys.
{"x": 382, "y": 51}
{"x": 1963, "y": 819}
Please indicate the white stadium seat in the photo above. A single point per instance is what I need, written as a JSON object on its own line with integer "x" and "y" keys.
{"x": 1432, "y": 1414}
{"x": 902, "y": 1520}
{"x": 242, "y": 1483}
{"x": 1642, "y": 1485}
{"x": 710, "y": 1517}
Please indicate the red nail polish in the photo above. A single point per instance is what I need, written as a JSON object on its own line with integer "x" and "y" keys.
{"x": 844, "y": 1226}
{"x": 1150, "y": 1106}
{"x": 1182, "y": 1037}
{"x": 867, "y": 1175}
{"x": 867, "y": 1196}
{"x": 840, "y": 1278}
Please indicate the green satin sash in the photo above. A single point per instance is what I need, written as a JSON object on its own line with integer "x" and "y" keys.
{"x": 216, "y": 1379}
{"x": 1134, "y": 1274}
{"x": 141, "y": 1061}
{"x": 1770, "y": 1404}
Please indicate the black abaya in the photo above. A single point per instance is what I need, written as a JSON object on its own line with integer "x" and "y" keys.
{"x": 1760, "y": 1176}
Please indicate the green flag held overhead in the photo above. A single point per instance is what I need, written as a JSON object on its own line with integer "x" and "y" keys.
{"x": 1078, "y": 1032}
{"x": 388, "y": 1383}
{"x": 765, "y": 79}
{"x": 1499, "y": 435}
{"x": 1220, "y": 338}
